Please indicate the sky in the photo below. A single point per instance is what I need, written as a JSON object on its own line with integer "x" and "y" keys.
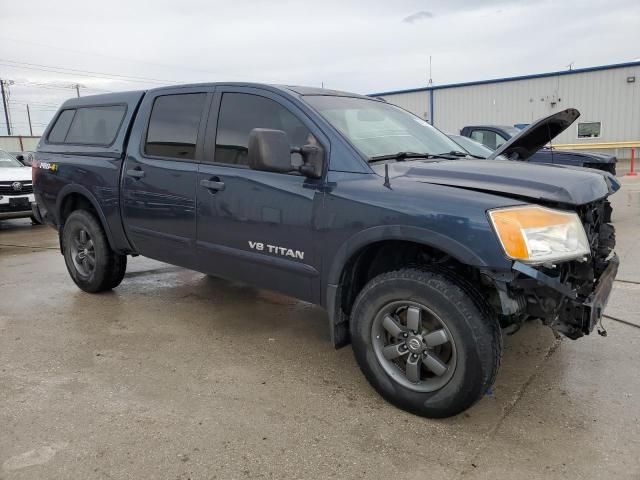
{"x": 362, "y": 46}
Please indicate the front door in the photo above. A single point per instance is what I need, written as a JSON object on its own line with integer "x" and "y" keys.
{"x": 254, "y": 226}
{"x": 160, "y": 174}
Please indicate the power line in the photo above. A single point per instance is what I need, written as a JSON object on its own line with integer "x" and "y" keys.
{"x": 83, "y": 73}
{"x": 93, "y": 54}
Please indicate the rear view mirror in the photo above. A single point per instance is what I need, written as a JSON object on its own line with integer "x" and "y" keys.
{"x": 269, "y": 150}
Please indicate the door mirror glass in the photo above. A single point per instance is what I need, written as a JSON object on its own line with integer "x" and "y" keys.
{"x": 269, "y": 151}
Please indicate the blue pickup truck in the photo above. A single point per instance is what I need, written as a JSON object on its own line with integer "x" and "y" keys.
{"x": 420, "y": 254}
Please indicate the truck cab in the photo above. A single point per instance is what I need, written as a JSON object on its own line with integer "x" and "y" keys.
{"x": 420, "y": 256}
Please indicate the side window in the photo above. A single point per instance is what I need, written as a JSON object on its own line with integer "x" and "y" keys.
{"x": 96, "y": 125}
{"x": 488, "y": 138}
{"x": 173, "y": 126}
{"x": 61, "y": 127}
{"x": 240, "y": 113}
{"x": 500, "y": 140}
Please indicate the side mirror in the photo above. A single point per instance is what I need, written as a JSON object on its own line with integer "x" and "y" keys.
{"x": 269, "y": 150}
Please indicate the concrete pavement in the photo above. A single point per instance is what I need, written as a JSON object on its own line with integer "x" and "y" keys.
{"x": 177, "y": 375}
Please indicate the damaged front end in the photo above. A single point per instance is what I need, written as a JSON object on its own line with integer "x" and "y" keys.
{"x": 570, "y": 296}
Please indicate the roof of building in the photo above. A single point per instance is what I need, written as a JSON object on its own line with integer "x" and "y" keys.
{"x": 510, "y": 79}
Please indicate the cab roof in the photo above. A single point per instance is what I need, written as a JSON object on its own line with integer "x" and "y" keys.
{"x": 288, "y": 89}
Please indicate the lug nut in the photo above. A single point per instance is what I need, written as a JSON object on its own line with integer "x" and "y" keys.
{"x": 405, "y": 335}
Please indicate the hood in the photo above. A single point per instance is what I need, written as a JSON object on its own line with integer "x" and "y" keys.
{"x": 536, "y": 135}
{"x": 19, "y": 174}
{"x": 551, "y": 183}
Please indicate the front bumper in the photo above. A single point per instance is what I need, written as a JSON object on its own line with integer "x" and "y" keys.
{"x": 560, "y": 305}
{"x": 16, "y": 206}
{"x": 598, "y": 300}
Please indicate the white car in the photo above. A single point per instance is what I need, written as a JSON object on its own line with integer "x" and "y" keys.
{"x": 16, "y": 189}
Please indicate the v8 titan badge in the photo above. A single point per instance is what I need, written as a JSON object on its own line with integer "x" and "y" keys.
{"x": 282, "y": 251}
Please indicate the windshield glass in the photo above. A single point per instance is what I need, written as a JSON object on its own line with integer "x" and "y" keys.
{"x": 377, "y": 128}
{"x": 8, "y": 161}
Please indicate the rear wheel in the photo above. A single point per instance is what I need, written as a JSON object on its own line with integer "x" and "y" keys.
{"x": 424, "y": 342}
{"x": 91, "y": 263}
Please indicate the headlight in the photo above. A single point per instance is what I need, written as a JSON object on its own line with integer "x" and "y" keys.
{"x": 534, "y": 234}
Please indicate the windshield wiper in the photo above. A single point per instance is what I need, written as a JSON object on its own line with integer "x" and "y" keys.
{"x": 458, "y": 153}
{"x": 402, "y": 156}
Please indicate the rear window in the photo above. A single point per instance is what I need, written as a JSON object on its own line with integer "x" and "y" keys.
{"x": 88, "y": 125}
{"x": 61, "y": 127}
{"x": 173, "y": 126}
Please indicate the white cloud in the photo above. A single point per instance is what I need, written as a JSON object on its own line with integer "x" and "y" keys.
{"x": 362, "y": 46}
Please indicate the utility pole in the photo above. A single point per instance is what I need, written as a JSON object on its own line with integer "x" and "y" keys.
{"x": 29, "y": 117}
{"x": 77, "y": 89}
{"x": 5, "y": 106}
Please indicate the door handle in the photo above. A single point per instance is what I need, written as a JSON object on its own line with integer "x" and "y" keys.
{"x": 136, "y": 173}
{"x": 214, "y": 184}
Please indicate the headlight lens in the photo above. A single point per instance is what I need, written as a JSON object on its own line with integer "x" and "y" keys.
{"x": 534, "y": 234}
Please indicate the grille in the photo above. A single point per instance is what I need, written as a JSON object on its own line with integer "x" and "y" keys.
{"x": 7, "y": 188}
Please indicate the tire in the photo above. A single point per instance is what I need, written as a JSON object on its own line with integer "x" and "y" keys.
{"x": 454, "y": 355}
{"x": 91, "y": 263}
{"x": 35, "y": 221}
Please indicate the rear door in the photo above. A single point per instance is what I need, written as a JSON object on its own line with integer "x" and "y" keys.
{"x": 254, "y": 226}
{"x": 160, "y": 174}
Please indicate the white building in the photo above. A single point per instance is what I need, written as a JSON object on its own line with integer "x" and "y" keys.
{"x": 607, "y": 96}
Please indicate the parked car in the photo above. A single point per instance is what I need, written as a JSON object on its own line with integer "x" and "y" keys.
{"x": 24, "y": 157}
{"x": 16, "y": 190}
{"x": 419, "y": 256}
{"x": 494, "y": 136}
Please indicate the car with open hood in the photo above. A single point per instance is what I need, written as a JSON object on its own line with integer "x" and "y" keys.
{"x": 495, "y": 137}
{"x": 420, "y": 254}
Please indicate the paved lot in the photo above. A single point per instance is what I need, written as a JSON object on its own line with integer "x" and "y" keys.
{"x": 176, "y": 375}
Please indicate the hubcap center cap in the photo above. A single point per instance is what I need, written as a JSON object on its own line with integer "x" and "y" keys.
{"x": 414, "y": 344}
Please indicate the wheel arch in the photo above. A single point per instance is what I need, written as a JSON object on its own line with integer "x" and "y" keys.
{"x": 346, "y": 274}
{"x": 75, "y": 197}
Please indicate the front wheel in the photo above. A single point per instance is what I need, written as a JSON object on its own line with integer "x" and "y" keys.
{"x": 425, "y": 342}
{"x": 91, "y": 263}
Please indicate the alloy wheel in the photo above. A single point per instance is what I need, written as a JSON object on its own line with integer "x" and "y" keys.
{"x": 414, "y": 346}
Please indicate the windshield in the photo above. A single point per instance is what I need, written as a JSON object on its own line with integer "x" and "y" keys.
{"x": 8, "y": 161}
{"x": 377, "y": 128}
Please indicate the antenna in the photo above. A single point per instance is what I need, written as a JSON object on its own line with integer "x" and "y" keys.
{"x": 430, "y": 82}
{"x": 570, "y": 66}
{"x": 386, "y": 183}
